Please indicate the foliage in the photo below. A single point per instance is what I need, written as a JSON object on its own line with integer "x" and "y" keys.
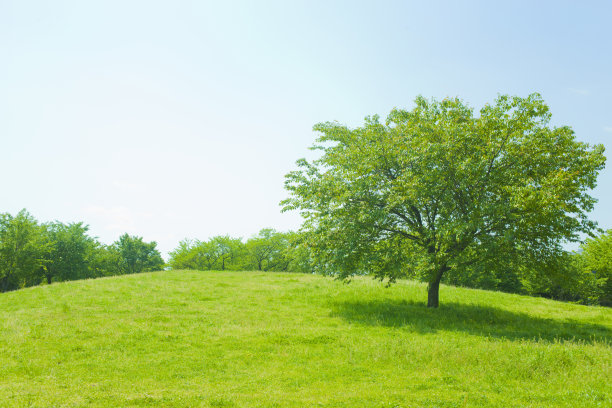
{"x": 229, "y": 252}
{"x": 31, "y": 254}
{"x": 268, "y": 250}
{"x": 24, "y": 249}
{"x": 298, "y": 253}
{"x": 595, "y": 263}
{"x": 435, "y": 190}
{"x": 260, "y": 339}
{"x": 503, "y": 275}
{"x": 185, "y": 255}
{"x": 105, "y": 260}
{"x": 136, "y": 256}
{"x": 71, "y": 252}
{"x": 218, "y": 253}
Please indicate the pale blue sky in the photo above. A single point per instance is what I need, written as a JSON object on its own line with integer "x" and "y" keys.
{"x": 174, "y": 119}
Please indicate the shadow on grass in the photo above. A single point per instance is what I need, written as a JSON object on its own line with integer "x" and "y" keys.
{"x": 473, "y": 319}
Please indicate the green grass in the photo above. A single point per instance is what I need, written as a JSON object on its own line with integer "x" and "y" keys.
{"x": 241, "y": 339}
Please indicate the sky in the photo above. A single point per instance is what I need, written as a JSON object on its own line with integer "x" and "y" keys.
{"x": 179, "y": 119}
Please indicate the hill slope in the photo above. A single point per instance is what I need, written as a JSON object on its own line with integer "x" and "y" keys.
{"x": 235, "y": 339}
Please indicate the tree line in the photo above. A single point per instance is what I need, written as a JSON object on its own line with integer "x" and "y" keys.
{"x": 32, "y": 253}
{"x": 269, "y": 250}
{"x": 583, "y": 276}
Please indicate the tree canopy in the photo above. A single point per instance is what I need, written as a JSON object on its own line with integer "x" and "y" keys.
{"x": 269, "y": 250}
{"x": 136, "y": 256}
{"x": 24, "y": 250}
{"x": 32, "y": 253}
{"x": 438, "y": 189}
{"x": 71, "y": 252}
{"x": 596, "y": 261}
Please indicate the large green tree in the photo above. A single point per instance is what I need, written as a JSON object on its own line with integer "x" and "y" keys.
{"x": 436, "y": 189}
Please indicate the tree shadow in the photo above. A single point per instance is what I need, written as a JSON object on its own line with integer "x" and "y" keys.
{"x": 479, "y": 320}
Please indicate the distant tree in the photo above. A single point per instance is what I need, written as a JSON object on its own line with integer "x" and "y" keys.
{"x": 218, "y": 253}
{"x": 137, "y": 256}
{"x": 24, "y": 250}
{"x": 183, "y": 256}
{"x": 268, "y": 250}
{"x": 205, "y": 254}
{"x": 554, "y": 277}
{"x": 200, "y": 255}
{"x": 502, "y": 275}
{"x": 104, "y": 260}
{"x": 229, "y": 251}
{"x": 71, "y": 252}
{"x": 434, "y": 190}
{"x": 595, "y": 261}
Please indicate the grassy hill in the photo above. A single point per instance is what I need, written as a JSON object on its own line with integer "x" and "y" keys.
{"x": 240, "y": 339}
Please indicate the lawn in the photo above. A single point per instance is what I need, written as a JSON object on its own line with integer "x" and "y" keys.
{"x": 254, "y": 339}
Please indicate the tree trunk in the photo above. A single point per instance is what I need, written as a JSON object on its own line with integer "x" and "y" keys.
{"x": 433, "y": 293}
{"x": 433, "y": 290}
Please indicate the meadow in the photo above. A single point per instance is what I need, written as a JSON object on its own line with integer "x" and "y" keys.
{"x": 255, "y": 339}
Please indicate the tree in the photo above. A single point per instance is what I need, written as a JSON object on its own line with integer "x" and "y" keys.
{"x": 595, "y": 261}
{"x": 228, "y": 251}
{"x": 194, "y": 254}
{"x": 220, "y": 252}
{"x": 298, "y": 253}
{"x": 437, "y": 189}
{"x": 136, "y": 255}
{"x": 24, "y": 249}
{"x": 71, "y": 252}
{"x": 268, "y": 250}
{"x": 183, "y": 256}
{"x": 105, "y": 260}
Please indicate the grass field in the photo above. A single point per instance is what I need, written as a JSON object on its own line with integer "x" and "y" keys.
{"x": 242, "y": 339}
